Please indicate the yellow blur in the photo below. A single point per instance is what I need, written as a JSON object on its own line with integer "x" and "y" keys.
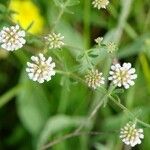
{"x": 26, "y": 12}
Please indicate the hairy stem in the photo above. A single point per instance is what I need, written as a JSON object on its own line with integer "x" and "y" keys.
{"x": 71, "y": 135}
{"x": 59, "y": 16}
{"x": 130, "y": 113}
{"x": 87, "y": 23}
{"x": 71, "y": 75}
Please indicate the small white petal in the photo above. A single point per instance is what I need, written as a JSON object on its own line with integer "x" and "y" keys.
{"x": 131, "y": 82}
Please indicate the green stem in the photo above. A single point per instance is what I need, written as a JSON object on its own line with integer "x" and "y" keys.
{"x": 59, "y": 16}
{"x": 96, "y": 108}
{"x": 71, "y": 75}
{"x": 71, "y": 135}
{"x": 130, "y": 113}
{"x": 87, "y": 4}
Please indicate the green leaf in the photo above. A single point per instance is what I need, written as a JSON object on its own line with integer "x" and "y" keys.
{"x": 73, "y": 38}
{"x": 134, "y": 48}
{"x": 32, "y": 105}
{"x": 2, "y": 8}
{"x": 57, "y": 124}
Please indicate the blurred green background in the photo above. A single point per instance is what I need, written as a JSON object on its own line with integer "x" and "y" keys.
{"x": 32, "y": 114}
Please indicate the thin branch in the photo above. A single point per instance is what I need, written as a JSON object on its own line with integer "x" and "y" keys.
{"x": 59, "y": 16}
{"x": 71, "y": 75}
{"x": 92, "y": 114}
{"x": 130, "y": 113}
{"x": 73, "y": 134}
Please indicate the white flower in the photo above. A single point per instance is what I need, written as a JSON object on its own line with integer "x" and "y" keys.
{"x": 122, "y": 75}
{"x": 99, "y": 40}
{"x": 94, "y": 79}
{"x": 12, "y": 38}
{"x": 100, "y": 3}
{"x": 40, "y": 69}
{"x": 130, "y": 135}
{"x": 54, "y": 40}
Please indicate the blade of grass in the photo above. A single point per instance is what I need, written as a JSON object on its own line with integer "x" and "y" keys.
{"x": 5, "y": 98}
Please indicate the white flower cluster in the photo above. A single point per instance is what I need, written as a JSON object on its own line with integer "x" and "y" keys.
{"x": 100, "y": 3}
{"x": 122, "y": 75}
{"x": 94, "y": 79}
{"x": 54, "y": 40}
{"x": 99, "y": 40}
{"x": 130, "y": 135}
{"x": 12, "y": 38}
{"x": 40, "y": 69}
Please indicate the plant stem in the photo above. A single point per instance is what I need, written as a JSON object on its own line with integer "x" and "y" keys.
{"x": 78, "y": 132}
{"x": 130, "y": 113}
{"x": 57, "y": 20}
{"x": 86, "y": 24}
{"x": 71, "y": 135}
{"x": 59, "y": 16}
{"x": 92, "y": 114}
{"x": 72, "y": 75}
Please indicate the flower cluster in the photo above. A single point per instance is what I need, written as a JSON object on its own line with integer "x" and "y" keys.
{"x": 94, "y": 79}
{"x": 40, "y": 69}
{"x": 54, "y": 40}
{"x": 130, "y": 135}
{"x": 122, "y": 75}
{"x": 112, "y": 47}
{"x": 12, "y": 38}
{"x": 100, "y": 3}
{"x": 99, "y": 40}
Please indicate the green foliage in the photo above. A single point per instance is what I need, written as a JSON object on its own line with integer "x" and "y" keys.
{"x": 32, "y": 114}
{"x": 57, "y": 124}
{"x": 62, "y": 3}
{"x": 32, "y": 105}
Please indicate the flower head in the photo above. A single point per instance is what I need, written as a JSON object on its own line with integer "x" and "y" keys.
{"x": 94, "y": 79}
{"x": 122, "y": 75}
{"x": 100, "y": 3}
{"x": 130, "y": 135}
{"x": 99, "y": 40}
{"x": 112, "y": 47}
{"x": 12, "y": 38}
{"x": 40, "y": 69}
{"x": 54, "y": 40}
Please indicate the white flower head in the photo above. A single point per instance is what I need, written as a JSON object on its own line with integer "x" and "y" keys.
{"x": 122, "y": 75}
{"x": 12, "y": 38}
{"x": 94, "y": 79}
{"x": 100, "y": 3}
{"x": 130, "y": 135}
{"x": 40, "y": 69}
{"x": 99, "y": 40}
{"x": 54, "y": 40}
